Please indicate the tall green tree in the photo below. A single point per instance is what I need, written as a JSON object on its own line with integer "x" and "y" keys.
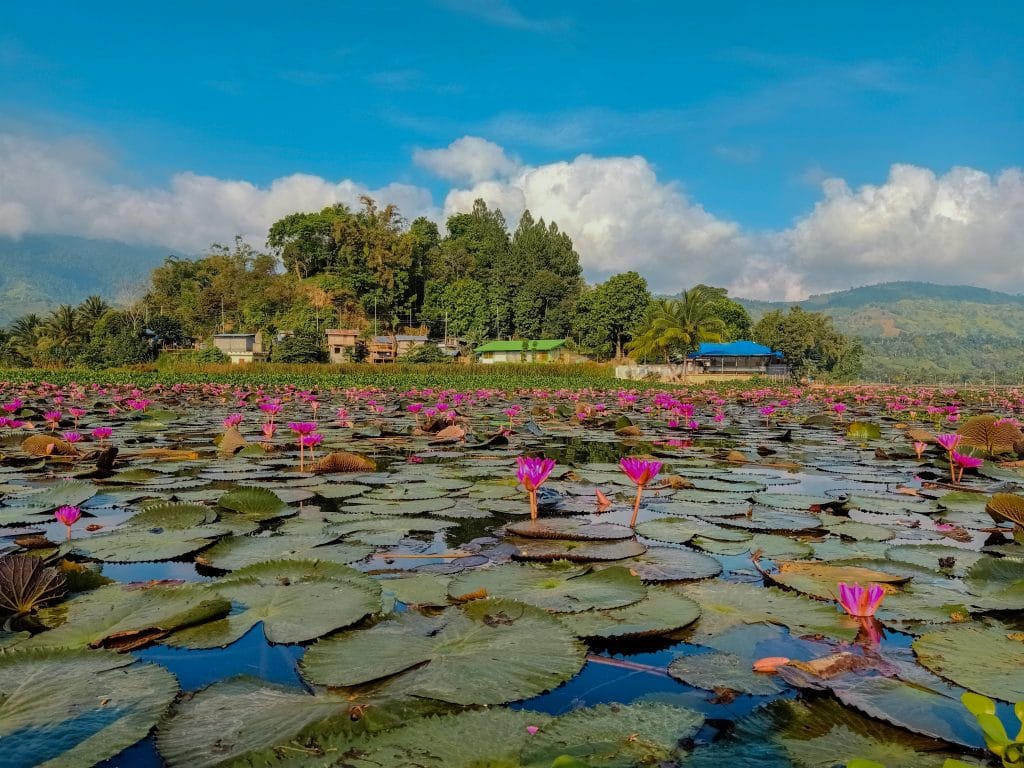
{"x": 63, "y": 327}
{"x": 810, "y": 344}
{"x": 619, "y": 304}
{"x": 738, "y": 323}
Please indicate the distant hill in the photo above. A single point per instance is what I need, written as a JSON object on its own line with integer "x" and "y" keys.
{"x": 920, "y": 332}
{"x": 38, "y": 272}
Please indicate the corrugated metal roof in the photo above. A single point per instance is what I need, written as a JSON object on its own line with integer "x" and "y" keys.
{"x": 734, "y": 349}
{"x": 516, "y": 345}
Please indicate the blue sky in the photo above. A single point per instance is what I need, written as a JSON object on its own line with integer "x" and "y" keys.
{"x": 743, "y": 109}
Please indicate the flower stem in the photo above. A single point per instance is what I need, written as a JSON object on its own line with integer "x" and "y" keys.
{"x": 636, "y": 506}
{"x": 533, "y": 505}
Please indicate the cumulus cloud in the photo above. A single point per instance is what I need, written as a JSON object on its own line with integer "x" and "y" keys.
{"x": 65, "y": 187}
{"x": 469, "y": 159}
{"x": 964, "y": 226}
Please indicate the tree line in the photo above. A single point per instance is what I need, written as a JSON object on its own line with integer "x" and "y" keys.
{"x": 369, "y": 268}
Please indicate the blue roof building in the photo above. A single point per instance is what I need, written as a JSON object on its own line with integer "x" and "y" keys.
{"x": 739, "y": 358}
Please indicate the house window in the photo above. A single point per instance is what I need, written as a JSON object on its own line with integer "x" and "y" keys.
{"x": 337, "y": 350}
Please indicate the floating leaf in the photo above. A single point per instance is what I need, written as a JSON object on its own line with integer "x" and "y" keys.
{"x": 76, "y": 707}
{"x": 982, "y": 658}
{"x": 570, "y": 529}
{"x": 822, "y": 579}
{"x": 663, "y": 610}
{"x": 716, "y": 670}
{"x": 673, "y": 564}
{"x": 238, "y": 552}
{"x": 255, "y": 503}
{"x": 231, "y": 719}
{"x": 863, "y": 431}
{"x": 816, "y": 734}
{"x": 574, "y": 551}
{"x": 614, "y": 736}
{"x": 558, "y": 587}
{"x": 727, "y": 604}
{"x": 485, "y": 652}
{"x": 140, "y": 545}
{"x": 126, "y": 617}
{"x": 295, "y": 600}
{"x": 342, "y": 461}
{"x": 70, "y": 493}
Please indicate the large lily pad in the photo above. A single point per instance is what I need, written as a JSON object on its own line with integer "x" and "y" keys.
{"x": 231, "y": 719}
{"x": 727, "y": 604}
{"x": 717, "y": 670}
{"x": 241, "y": 551}
{"x": 559, "y": 587}
{"x": 822, "y": 579}
{"x": 663, "y": 610}
{"x": 575, "y": 551}
{"x": 986, "y": 659}
{"x": 673, "y": 564}
{"x": 486, "y": 652}
{"x": 126, "y": 617}
{"x": 817, "y": 734}
{"x": 255, "y": 503}
{"x": 570, "y": 529}
{"x": 139, "y": 545}
{"x": 76, "y": 707}
{"x": 296, "y": 600}
{"x": 614, "y": 736}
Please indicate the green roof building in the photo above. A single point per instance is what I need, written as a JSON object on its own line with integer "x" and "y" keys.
{"x": 525, "y": 351}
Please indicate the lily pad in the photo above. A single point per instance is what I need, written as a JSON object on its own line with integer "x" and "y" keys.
{"x": 126, "y": 617}
{"x": 717, "y": 670}
{"x": 231, "y": 719}
{"x": 255, "y": 503}
{"x": 663, "y": 610}
{"x": 570, "y": 529}
{"x": 296, "y": 601}
{"x": 77, "y": 707}
{"x": 486, "y": 652}
{"x": 673, "y": 564}
{"x": 575, "y": 551}
{"x": 238, "y": 552}
{"x": 559, "y": 587}
{"x": 614, "y": 736}
{"x": 986, "y": 659}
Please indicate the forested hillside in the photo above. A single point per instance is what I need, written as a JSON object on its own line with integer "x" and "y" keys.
{"x": 38, "y": 272}
{"x": 921, "y": 332}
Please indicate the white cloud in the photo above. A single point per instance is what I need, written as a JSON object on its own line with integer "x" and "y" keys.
{"x": 64, "y": 187}
{"x": 469, "y": 159}
{"x": 964, "y": 226}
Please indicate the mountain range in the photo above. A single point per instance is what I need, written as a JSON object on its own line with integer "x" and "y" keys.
{"x": 38, "y": 272}
{"x": 911, "y": 331}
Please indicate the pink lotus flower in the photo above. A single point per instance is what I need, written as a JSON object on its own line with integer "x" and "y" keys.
{"x": 919, "y": 448}
{"x": 858, "y": 601}
{"x": 302, "y": 427}
{"x": 233, "y": 420}
{"x": 963, "y": 461}
{"x": 102, "y": 433}
{"x": 13, "y": 406}
{"x": 531, "y": 473}
{"x": 69, "y": 516}
{"x": 312, "y": 440}
{"x": 269, "y": 428}
{"x": 949, "y": 442}
{"x": 72, "y": 437}
{"x": 641, "y": 472}
{"x": 52, "y": 419}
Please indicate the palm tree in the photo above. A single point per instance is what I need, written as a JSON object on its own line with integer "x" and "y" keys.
{"x": 677, "y": 326}
{"x": 25, "y": 331}
{"x": 63, "y": 326}
{"x": 91, "y": 310}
